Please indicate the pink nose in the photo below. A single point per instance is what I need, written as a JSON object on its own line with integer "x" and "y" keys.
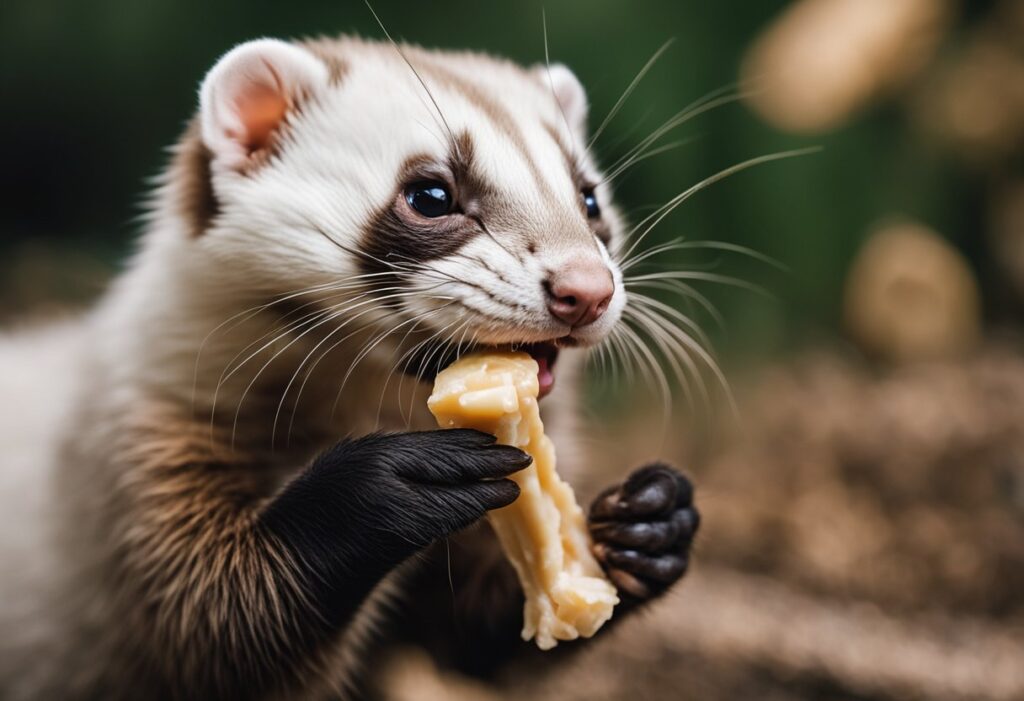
{"x": 579, "y": 293}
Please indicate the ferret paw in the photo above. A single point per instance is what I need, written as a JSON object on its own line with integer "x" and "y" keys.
{"x": 643, "y": 529}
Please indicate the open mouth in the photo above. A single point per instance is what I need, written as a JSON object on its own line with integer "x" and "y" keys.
{"x": 425, "y": 365}
{"x": 545, "y": 354}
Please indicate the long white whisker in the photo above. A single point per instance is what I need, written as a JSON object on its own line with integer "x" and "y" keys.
{"x": 551, "y": 82}
{"x": 672, "y": 204}
{"x": 680, "y": 244}
{"x": 641, "y": 157}
{"x": 650, "y": 303}
{"x": 697, "y": 349}
{"x": 254, "y": 310}
{"x": 333, "y": 315}
{"x": 685, "y": 291}
{"x": 309, "y": 374}
{"x": 691, "y": 111}
{"x": 673, "y": 352}
{"x": 700, "y": 275}
{"x": 629, "y": 91}
{"x": 656, "y": 375}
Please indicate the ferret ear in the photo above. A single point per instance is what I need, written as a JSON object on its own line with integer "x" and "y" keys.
{"x": 572, "y": 98}
{"x": 246, "y": 96}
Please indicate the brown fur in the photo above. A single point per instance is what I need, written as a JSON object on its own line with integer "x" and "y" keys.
{"x": 203, "y": 593}
{"x": 196, "y": 202}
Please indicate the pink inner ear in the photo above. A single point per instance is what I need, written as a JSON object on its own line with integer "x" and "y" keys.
{"x": 261, "y": 108}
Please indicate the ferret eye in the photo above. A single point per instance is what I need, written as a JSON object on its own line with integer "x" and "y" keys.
{"x": 590, "y": 201}
{"x": 430, "y": 198}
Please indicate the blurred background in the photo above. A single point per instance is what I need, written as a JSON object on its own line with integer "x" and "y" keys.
{"x": 864, "y": 517}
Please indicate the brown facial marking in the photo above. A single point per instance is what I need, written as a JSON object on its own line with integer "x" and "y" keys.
{"x": 399, "y": 237}
{"x": 331, "y": 53}
{"x": 190, "y": 174}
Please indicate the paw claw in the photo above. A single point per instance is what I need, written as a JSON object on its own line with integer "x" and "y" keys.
{"x": 664, "y": 569}
{"x": 625, "y": 582}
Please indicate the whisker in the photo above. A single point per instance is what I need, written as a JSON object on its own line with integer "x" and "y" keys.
{"x": 649, "y": 303}
{"x": 674, "y": 353}
{"x": 397, "y": 364}
{"x": 681, "y": 244}
{"x": 551, "y": 82}
{"x": 640, "y": 158}
{"x": 423, "y": 83}
{"x": 686, "y": 194}
{"x": 695, "y": 348}
{"x": 688, "y": 292}
{"x": 333, "y": 314}
{"x": 700, "y": 275}
{"x": 313, "y": 367}
{"x": 693, "y": 110}
{"x": 434, "y": 344}
{"x": 366, "y": 350}
{"x": 291, "y": 326}
{"x": 629, "y": 91}
{"x": 656, "y": 376}
{"x": 252, "y": 312}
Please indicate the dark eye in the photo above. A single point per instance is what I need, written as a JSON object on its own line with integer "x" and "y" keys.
{"x": 590, "y": 201}
{"x": 430, "y": 198}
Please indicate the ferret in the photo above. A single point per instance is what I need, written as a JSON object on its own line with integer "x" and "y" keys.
{"x": 221, "y": 481}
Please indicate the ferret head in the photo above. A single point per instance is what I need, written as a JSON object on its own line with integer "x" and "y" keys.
{"x": 428, "y": 193}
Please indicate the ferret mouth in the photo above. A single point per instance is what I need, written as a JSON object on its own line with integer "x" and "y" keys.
{"x": 546, "y": 354}
{"x": 426, "y": 365}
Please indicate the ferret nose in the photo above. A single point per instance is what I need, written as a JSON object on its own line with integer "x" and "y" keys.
{"x": 579, "y": 293}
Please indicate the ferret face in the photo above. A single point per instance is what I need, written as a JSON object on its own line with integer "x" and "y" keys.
{"x": 456, "y": 200}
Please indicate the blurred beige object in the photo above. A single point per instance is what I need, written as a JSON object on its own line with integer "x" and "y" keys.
{"x": 911, "y": 296}
{"x": 976, "y": 102}
{"x": 1007, "y": 232}
{"x": 411, "y": 675}
{"x": 824, "y": 59}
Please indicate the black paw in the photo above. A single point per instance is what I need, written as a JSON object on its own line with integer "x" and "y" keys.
{"x": 431, "y": 483}
{"x": 643, "y": 529}
{"x": 384, "y": 496}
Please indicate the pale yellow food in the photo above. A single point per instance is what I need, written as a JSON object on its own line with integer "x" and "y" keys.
{"x": 544, "y": 532}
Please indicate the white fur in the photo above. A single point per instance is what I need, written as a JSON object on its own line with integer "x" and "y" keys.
{"x": 571, "y": 96}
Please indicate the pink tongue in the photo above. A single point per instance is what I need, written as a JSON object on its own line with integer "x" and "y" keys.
{"x": 545, "y": 377}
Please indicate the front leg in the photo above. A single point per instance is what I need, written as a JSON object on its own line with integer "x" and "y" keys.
{"x": 229, "y": 600}
{"x": 642, "y": 531}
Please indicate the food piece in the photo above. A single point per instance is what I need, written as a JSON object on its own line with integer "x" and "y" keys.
{"x": 544, "y": 533}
